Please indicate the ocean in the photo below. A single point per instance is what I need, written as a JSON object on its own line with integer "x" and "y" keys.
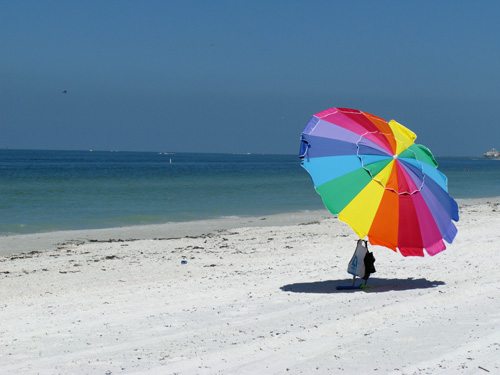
{"x": 42, "y": 191}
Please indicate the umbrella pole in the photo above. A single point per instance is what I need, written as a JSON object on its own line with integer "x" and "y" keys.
{"x": 353, "y": 280}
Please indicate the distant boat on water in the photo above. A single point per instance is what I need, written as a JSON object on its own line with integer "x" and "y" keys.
{"x": 493, "y": 153}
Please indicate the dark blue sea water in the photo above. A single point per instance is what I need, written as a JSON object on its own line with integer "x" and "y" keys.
{"x": 59, "y": 190}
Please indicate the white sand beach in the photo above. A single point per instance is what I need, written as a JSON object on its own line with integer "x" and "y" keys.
{"x": 248, "y": 296}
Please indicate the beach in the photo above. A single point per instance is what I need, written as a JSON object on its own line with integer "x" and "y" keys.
{"x": 248, "y": 296}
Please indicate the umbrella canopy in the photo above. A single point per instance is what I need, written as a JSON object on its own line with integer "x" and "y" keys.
{"x": 372, "y": 174}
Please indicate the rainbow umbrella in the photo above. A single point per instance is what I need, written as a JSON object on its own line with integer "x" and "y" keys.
{"x": 370, "y": 173}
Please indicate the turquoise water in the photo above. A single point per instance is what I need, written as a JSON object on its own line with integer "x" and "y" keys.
{"x": 59, "y": 190}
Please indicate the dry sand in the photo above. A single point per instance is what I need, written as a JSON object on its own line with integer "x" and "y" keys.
{"x": 253, "y": 296}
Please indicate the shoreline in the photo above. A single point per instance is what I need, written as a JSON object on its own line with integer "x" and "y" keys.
{"x": 24, "y": 243}
{"x": 21, "y": 243}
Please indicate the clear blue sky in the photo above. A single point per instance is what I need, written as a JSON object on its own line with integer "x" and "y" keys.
{"x": 244, "y": 76}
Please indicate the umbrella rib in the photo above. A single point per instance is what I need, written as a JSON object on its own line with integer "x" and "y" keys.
{"x": 395, "y": 157}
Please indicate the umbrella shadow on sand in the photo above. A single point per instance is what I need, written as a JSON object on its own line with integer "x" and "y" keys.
{"x": 378, "y": 285}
